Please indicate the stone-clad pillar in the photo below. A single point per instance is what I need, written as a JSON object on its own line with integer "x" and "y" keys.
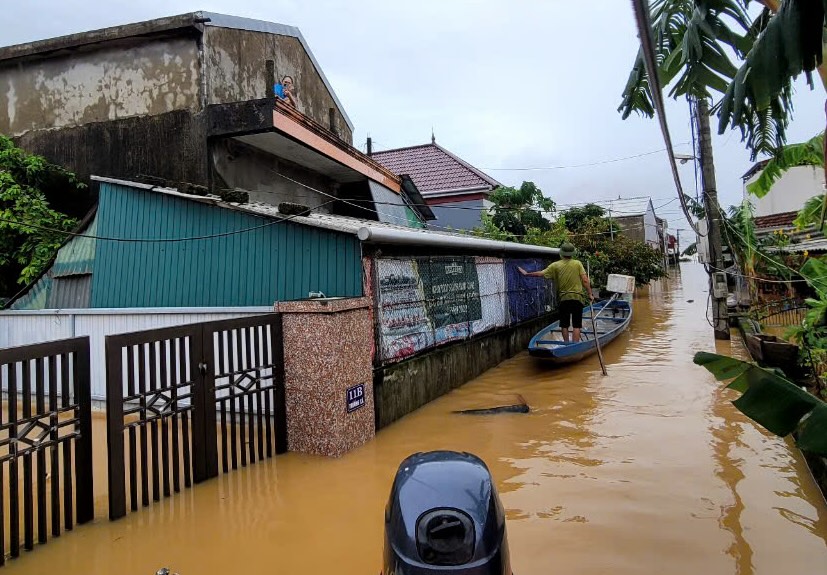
{"x": 328, "y": 374}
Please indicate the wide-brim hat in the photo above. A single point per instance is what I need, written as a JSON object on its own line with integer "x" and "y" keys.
{"x": 567, "y": 250}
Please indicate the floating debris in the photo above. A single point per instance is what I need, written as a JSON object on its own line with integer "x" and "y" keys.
{"x": 520, "y": 407}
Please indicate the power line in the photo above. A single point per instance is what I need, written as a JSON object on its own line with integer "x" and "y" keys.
{"x": 587, "y": 165}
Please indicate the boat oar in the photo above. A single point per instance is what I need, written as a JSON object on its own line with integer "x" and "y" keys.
{"x": 594, "y": 327}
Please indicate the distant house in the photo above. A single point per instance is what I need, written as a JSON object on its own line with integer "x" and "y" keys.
{"x": 637, "y": 220}
{"x": 454, "y": 190}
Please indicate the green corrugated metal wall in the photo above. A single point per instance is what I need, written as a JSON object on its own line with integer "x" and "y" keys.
{"x": 279, "y": 262}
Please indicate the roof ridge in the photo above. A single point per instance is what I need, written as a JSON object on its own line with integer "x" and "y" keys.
{"x": 403, "y": 148}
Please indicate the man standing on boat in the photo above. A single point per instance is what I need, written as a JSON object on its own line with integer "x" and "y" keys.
{"x": 572, "y": 285}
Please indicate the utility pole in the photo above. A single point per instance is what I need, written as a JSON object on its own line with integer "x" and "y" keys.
{"x": 713, "y": 217}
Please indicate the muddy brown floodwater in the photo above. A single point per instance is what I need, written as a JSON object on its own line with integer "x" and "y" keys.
{"x": 650, "y": 470}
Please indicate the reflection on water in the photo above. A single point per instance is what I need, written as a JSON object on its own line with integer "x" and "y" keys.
{"x": 648, "y": 470}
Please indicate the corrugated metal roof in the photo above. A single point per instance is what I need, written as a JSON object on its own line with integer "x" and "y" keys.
{"x": 434, "y": 169}
{"x": 814, "y": 246}
{"x": 78, "y": 255}
{"x": 628, "y": 207}
{"x": 353, "y": 226}
{"x": 264, "y": 264}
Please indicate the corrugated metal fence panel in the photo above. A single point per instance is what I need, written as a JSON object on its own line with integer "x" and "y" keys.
{"x": 70, "y": 292}
{"x": 272, "y": 262}
{"x": 23, "y": 328}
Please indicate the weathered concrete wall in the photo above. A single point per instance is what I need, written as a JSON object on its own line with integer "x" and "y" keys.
{"x": 170, "y": 146}
{"x": 401, "y": 388}
{"x": 140, "y": 78}
{"x": 238, "y": 165}
{"x": 236, "y": 71}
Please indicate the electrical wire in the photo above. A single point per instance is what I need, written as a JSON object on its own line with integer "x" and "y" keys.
{"x": 587, "y": 165}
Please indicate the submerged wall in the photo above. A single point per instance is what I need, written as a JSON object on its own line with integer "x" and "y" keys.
{"x": 401, "y": 388}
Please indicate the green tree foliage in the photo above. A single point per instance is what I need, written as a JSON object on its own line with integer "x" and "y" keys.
{"x": 606, "y": 255}
{"x": 516, "y": 210}
{"x": 517, "y": 216}
{"x": 693, "y": 40}
{"x": 578, "y": 217}
{"x": 26, "y": 251}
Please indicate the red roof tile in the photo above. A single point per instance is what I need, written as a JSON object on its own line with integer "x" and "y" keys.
{"x": 434, "y": 169}
{"x": 782, "y": 220}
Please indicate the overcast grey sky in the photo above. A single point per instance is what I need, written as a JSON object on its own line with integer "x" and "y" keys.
{"x": 517, "y": 84}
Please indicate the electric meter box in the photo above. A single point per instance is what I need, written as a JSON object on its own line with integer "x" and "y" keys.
{"x": 719, "y": 285}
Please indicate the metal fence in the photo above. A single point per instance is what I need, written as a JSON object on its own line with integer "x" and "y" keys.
{"x": 173, "y": 392}
{"x": 45, "y": 428}
{"x": 422, "y": 302}
{"x": 780, "y": 313}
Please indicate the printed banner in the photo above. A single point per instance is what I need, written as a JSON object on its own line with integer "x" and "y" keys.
{"x": 528, "y": 297}
{"x": 423, "y": 302}
{"x": 403, "y": 321}
{"x": 493, "y": 295}
{"x": 452, "y": 292}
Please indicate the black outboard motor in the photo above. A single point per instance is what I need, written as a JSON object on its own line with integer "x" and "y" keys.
{"x": 444, "y": 516}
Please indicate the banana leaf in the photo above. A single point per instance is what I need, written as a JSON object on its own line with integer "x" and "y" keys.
{"x": 772, "y": 401}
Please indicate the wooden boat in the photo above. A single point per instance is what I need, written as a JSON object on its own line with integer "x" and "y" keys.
{"x": 612, "y": 317}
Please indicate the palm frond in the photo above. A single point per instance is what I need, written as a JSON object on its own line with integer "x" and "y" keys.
{"x": 810, "y": 153}
{"x": 758, "y": 101}
{"x": 810, "y": 214}
{"x": 690, "y": 38}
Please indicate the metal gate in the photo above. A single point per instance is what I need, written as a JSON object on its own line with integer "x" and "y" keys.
{"x": 180, "y": 399}
{"x": 46, "y": 425}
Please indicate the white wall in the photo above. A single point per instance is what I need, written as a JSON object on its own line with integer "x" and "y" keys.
{"x": 650, "y": 227}
{"x": 790, "y": 192}
{"x": 27, "y": 327}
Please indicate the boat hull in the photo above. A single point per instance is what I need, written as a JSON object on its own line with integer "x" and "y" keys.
{"x": 613, "y": 318}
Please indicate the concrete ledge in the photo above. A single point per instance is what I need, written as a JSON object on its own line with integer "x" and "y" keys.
{"x": 323, "y": 305}
{"x": 403, "y": 387}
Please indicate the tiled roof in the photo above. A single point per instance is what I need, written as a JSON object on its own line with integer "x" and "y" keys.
{"x": 434, "y": 169}
{"x": 784, "y": 219}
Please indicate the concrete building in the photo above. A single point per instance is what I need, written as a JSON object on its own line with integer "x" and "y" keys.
{"x": 188, "y": 101}
{"x": 637, "y": 219}
{"x": 455, "y": 191}
{"x": 790, "y": 191}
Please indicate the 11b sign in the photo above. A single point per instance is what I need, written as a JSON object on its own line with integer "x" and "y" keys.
{"x": 355, "y": 397}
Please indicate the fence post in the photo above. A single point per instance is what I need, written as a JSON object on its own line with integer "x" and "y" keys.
{"x": 206, "y": 402}
{"x": 114, "y": 430}
{"x": 280, "y": 395}
{"x": 197, "y": 372}
{"x": 83, "y": 454}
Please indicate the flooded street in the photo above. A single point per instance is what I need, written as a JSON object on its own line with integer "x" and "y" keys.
{"x": 649, "y": 470}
